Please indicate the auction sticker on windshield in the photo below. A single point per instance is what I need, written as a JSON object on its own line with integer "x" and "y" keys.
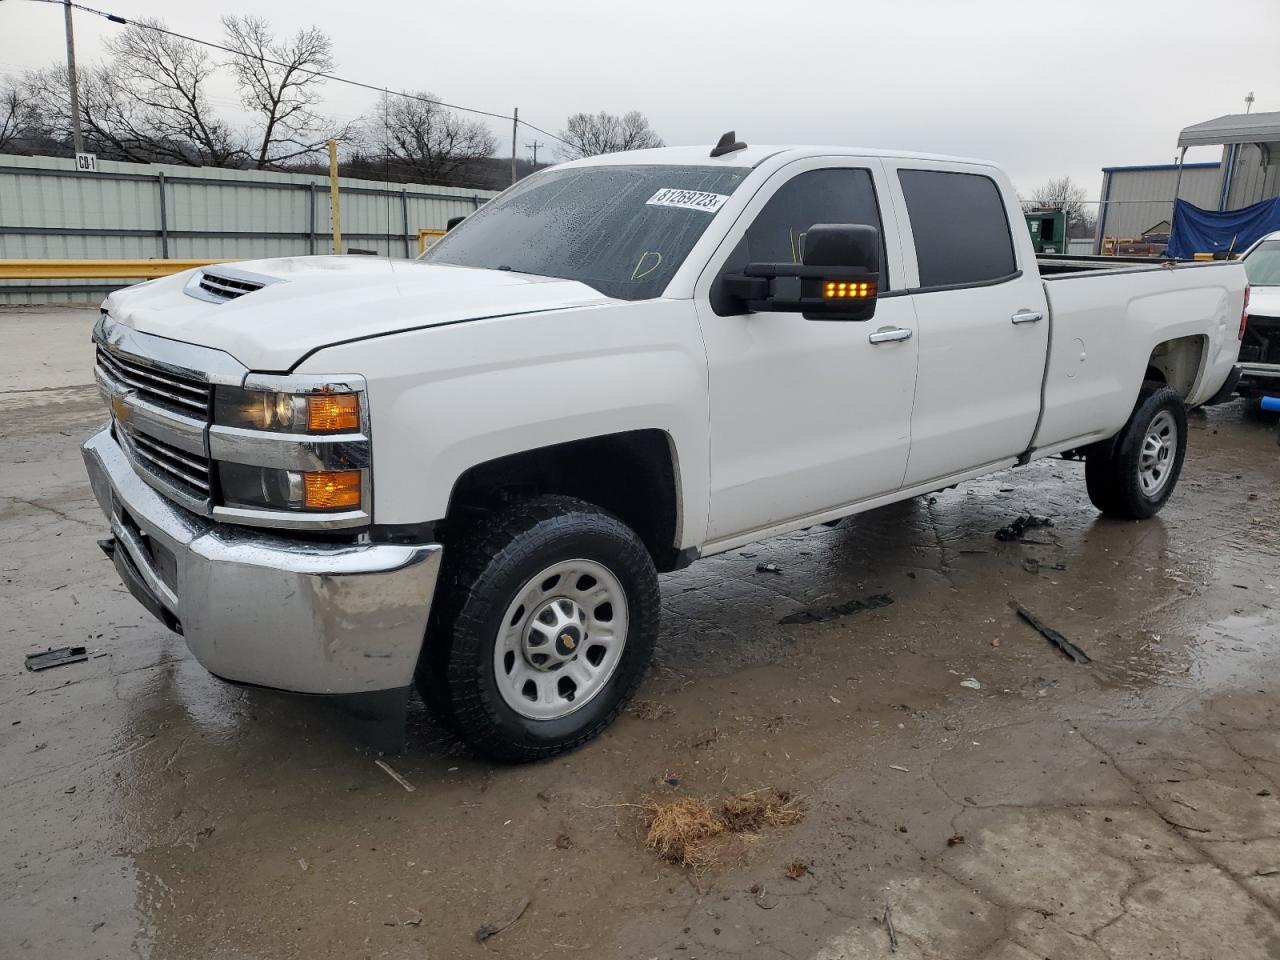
{"x": 689, "y": 199}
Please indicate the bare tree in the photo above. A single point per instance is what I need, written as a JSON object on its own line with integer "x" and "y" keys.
{"x": 1060, "y": 193}
{"x": 17, "y": 121}
{"x": 113, "y": 120}
{"x": 167, "y": 77}
{"x": 426, "y": 139}
{"x": 590, "y": 134}
{"x": 279, "y": 85}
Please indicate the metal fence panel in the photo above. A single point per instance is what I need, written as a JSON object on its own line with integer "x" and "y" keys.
{"x": 51, "y": 210}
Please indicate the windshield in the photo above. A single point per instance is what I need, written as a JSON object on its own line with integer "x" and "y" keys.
{"x": 623, "y": 230}
{"x": 1263, "y": 264}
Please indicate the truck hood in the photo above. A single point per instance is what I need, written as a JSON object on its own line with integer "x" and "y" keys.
{"x": 269, "y": 314}
{"x": 1264, "y": 301}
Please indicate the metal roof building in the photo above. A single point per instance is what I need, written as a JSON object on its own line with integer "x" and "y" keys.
{"x": 1137, "y": 198}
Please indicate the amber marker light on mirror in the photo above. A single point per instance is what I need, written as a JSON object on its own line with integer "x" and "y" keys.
{"x": 327, "y": 412}
{"x": 848, "y": 289}
{"x": 331, "y": 489}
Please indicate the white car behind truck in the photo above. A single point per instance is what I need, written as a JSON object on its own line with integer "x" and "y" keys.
{"x": 345, "y": 475}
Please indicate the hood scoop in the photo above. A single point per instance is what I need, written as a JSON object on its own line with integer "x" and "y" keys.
{"x": 221, "y": 284}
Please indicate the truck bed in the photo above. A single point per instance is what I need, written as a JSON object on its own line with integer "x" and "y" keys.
{"x": 1056, "y": 266}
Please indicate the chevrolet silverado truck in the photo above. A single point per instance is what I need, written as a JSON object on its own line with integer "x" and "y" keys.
{"x": 350, "y": 475}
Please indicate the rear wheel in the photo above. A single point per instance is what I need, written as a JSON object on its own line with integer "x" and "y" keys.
{"x": 1131, "y": 475}
{"x": 544, "y": 625}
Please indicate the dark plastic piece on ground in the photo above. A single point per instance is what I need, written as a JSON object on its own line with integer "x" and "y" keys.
{"x": 1021, "y": 525}
{"x": 1053, "y": 636}
{"x": 839, "y": 610}
{"x": 56, "y": 658}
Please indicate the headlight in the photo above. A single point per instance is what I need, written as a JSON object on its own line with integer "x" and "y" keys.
{"x": 292, "y": 451}
{"x": 268, "y": 488}
{"x": 286, "y": 412}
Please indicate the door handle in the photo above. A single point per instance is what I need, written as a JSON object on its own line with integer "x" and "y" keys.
{"x": 1027, "y": 316}
{"x": 890, "y": 335}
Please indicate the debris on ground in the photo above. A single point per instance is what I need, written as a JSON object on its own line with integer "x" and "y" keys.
{"x": 755, "y": 810}
{"x": 796, "y": 869}
{"x": 56, "y": 658}
{"x": 1053, "y": 636}
{"x": 1032, "y": 565}
{"x": 692, "y": 833}
{"x": 768, "y": 568}
{"x": 971, "y": 683}
{"x": 849, "y": 607}
{"x": 760, "y": 893}
{"x": 651, "y": 710}
{"x": 955, "y": 839}
{"x": 888, "y": 926}
{"x": 493, "y": 929}
{"x": 386, "y": 767}
{"x": 564, "y": 842}
{"x": 1020, "y": 525}
{"x": 894, "y": 766}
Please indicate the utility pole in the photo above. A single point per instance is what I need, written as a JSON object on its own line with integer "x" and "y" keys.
{"x": 515, "y": 133}
{"x": 534, "y": 147}
{"x": 1248, "y": 102}
{"x": 72, "y": 87}
{"x": 335, "y": 200}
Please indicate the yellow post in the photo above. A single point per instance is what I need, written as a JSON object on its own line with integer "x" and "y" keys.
{"x": 335, "y": 205}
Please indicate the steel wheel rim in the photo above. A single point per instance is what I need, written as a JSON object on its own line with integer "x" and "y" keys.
{"x": 561, "y": 639}
{"x": 1158, "y": 453}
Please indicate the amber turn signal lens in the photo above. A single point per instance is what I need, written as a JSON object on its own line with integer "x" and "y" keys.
{"x": 331, "y": 490}
{"x": 849, "y": 290}
{"x": 333, "y": 411}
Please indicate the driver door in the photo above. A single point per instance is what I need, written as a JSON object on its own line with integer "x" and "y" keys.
{"x": 806, "y": 416}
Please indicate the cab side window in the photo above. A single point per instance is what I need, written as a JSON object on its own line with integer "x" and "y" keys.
{"x": 840, "y": 195}
{"x": 837, "y": 195}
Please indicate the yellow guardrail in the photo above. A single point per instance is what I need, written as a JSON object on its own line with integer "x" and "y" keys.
{"x": 96, "y": 269}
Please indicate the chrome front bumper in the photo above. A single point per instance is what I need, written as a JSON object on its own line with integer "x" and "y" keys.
{"x": 256, "y": 607}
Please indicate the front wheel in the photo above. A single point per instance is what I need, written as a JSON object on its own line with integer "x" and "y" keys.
{"x": 1131, "y": 475}
{"x": 544, "y": 625}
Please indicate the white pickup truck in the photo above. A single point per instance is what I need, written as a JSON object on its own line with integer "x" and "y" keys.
{"x": 342, "y": 475}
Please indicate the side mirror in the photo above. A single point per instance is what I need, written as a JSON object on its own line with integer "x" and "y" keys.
{"x": 453, "y": 222}
{"x": 838, "y": 277}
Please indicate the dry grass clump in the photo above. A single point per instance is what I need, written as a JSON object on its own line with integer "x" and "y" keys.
{"x": 694, "y": 834}
{"x": 752, "y": 811}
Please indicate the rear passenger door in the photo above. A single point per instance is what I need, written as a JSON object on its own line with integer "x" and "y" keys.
{"x": 983, "y": 324}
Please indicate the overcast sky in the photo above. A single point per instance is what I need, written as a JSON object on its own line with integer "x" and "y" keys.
{"x": 1045, "y": 88}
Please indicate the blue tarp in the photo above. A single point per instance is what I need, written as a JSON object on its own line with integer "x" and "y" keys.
{"x": 1208, "y": 231}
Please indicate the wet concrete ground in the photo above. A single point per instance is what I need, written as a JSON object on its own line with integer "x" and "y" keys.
{"x": 1126, "y": 808}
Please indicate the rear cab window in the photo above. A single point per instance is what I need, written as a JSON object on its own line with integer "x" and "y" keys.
{"x": 960, "y": 226}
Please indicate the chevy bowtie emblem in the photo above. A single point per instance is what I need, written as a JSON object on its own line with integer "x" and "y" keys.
{"x": 568, "y": 641}
{"x": 120, "y": 408}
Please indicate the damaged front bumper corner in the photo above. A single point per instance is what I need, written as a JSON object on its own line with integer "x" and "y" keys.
{"x": 344, "y": 619}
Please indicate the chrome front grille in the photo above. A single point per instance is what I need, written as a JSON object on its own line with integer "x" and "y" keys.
{"x": 168, "y": 390}
{"x": 188, "y": 471}
{"x": 227, "y": 288}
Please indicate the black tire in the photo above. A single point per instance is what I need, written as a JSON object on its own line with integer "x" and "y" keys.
{"x": 1112, "y": 468}
{"x": 480, "y": 579}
